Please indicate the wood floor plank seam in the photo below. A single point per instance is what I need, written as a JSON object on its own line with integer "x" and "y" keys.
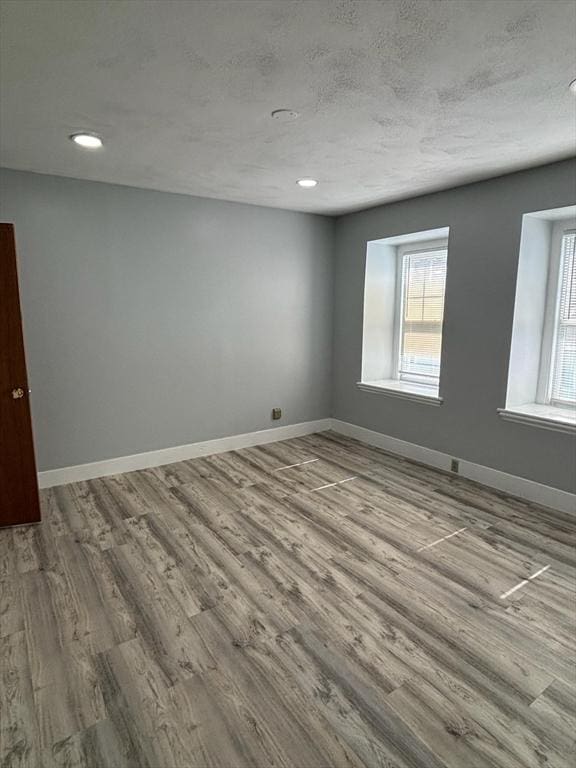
{"x": 312, "y": 603}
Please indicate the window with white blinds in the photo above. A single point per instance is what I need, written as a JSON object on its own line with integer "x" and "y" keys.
{"x": 563, "y": 369}
{"x": 421, "y": 315}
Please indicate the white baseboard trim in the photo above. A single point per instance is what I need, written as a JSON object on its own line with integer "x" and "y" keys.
{"x": 54, "y": 477}
{"x": 501, "y": 481}
{"x": 512, "y": 484}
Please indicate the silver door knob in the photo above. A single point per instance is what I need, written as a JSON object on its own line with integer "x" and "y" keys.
{"x": 17, "y": 393}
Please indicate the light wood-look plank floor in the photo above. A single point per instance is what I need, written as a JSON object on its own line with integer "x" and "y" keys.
{"x": 315, "y": 602}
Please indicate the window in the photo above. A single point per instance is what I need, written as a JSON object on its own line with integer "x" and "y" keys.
{"x": 421, "y": 311}
{"x": 542, "y": 370}
{"x": 403, "y": 315}
{"x": 562, "y": 374}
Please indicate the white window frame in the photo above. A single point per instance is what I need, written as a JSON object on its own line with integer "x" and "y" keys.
{"x": 548, "y": 349}
{"x": 402, "y": 251}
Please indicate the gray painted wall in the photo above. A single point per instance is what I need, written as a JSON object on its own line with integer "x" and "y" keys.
{"x": 153, "y": 320}
{"x": 485, "y": 223}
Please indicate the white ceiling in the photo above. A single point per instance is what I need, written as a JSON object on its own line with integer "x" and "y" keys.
{"x": 397, "y": 97}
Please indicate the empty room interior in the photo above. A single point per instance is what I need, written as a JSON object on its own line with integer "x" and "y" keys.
{"x": 288, "y": 384}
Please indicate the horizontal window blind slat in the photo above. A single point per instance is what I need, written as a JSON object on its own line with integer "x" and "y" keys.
{"x": 563, "y": 385}
{"x": 423, "y": 283}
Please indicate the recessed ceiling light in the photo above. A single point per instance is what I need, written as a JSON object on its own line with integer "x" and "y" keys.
{"x": 307, "y": 183}
{"x": 86, "y": 140}
{"x": 572, "y": 86}
{"x": 285, "y": 115}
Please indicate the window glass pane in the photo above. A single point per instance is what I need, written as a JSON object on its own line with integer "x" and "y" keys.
{"x": 563, "y": 389}
{"x": 423, "y": 282}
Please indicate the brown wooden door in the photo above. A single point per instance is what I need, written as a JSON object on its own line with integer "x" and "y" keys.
{"x": 18, "y": 482}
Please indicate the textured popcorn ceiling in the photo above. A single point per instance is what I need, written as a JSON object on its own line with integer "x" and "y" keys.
{"x": 396, "y": 98}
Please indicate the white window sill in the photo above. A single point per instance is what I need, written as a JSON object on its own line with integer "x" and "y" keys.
{"x": 542, "y": 416}
{"x": 408, "y": 390}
